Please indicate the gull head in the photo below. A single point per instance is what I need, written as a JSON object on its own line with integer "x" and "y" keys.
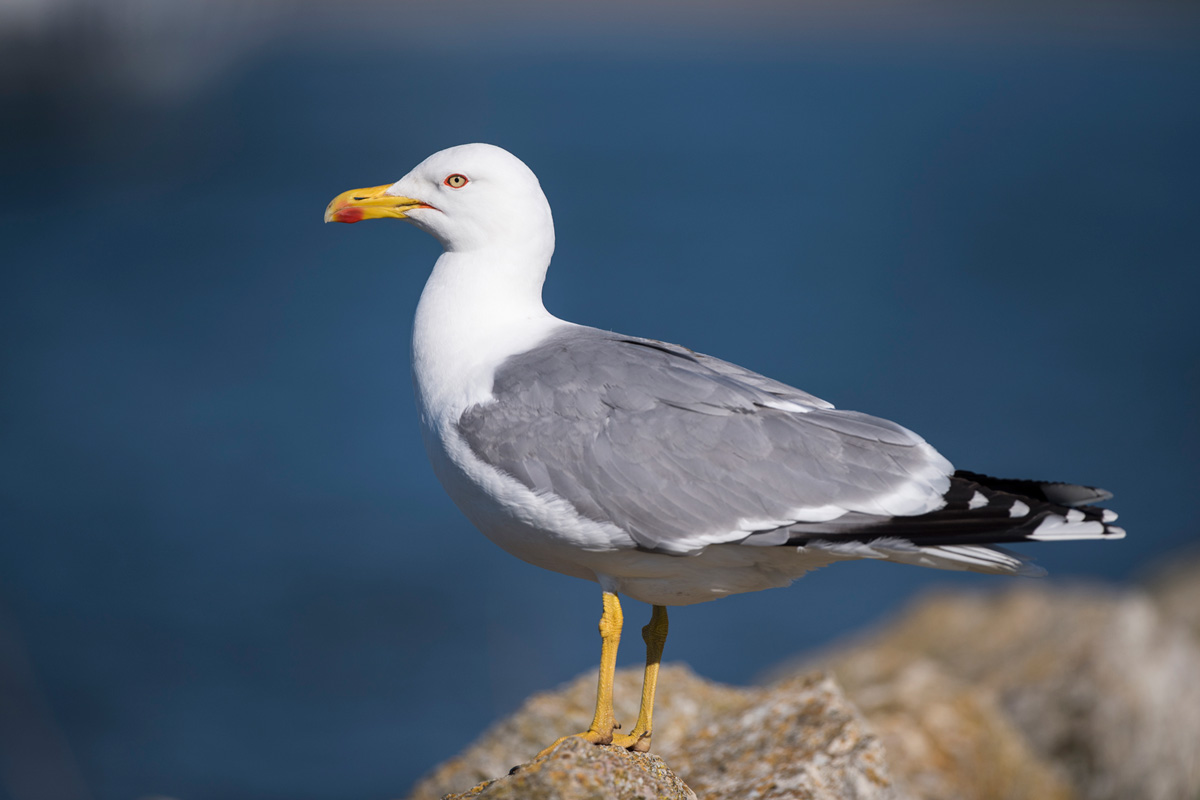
{"x": 470, "y": 197}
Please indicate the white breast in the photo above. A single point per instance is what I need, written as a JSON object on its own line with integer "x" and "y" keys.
{"x": 467, "y": 324}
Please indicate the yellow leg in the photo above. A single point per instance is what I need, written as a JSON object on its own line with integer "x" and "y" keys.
{"x": 601, "y": 729}
{"x": 655, "y": 636}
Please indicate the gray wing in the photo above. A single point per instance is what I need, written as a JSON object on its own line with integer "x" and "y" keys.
{"x": 683, "y": 450}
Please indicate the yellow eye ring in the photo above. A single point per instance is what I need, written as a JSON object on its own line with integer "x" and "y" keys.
{"x": 455, "y": 181}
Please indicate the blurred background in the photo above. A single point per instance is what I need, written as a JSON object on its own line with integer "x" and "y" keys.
{"x": 226, "y": 570}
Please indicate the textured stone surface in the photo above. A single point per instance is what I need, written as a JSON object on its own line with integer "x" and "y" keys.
{"x": 683, "y": 698}
{"x": 798, "y": 739}
{"x": 1100, "y": 683}
{"x": 576, "y": 769}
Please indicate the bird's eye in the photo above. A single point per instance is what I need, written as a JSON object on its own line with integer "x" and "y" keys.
{"x": 456, "y": 181}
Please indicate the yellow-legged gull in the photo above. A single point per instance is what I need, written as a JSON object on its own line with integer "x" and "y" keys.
{"x": 660, "y": 473}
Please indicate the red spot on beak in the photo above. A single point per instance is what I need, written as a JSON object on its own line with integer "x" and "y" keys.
{"x": 347, "y": 214}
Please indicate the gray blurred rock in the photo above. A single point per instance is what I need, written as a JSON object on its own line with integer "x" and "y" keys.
{"x": 1102, "y": 684}
{"x": 1175, "y": 588}
{"x": 946, "y": 739}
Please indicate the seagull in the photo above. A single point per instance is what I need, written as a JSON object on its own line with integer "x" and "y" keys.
{"x": 657, "y": 472}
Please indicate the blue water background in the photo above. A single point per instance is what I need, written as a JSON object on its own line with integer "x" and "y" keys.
{"x": 223, "y": 554}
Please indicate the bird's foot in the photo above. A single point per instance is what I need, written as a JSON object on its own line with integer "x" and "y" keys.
{"x": 636, "y": 741}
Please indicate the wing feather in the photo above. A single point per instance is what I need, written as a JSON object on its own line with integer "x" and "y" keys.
{"x": 683, "y": 450}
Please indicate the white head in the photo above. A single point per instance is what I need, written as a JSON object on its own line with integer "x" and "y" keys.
{"x": 474, "y": 197}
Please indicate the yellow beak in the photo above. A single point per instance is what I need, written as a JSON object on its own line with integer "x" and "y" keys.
{"x": 369, "y": 203}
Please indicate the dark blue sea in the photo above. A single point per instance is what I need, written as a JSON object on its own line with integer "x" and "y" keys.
{"x": 226, "y": 570}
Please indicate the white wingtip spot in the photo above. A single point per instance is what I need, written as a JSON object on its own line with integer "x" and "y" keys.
{"x": 1115, "y": 533}
{"x": 977, "y": 501}
{"x": 1056, "y": 528}
{"x": 1018, "y": 509}
{"x": 1074, "y": 515}
{"x": 1109, "y": 515}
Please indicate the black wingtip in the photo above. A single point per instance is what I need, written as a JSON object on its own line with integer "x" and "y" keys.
{"x": 1070, "y": 495}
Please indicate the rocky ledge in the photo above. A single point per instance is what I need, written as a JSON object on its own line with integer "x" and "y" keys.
{"x": 1036, "y": 692}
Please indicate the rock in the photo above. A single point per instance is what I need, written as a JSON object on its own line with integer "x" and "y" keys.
{"x": 577, "y": 769}
{"x": 1175, "y": 588}
{"x": 1037, "y": 692}
{"x": 1101, "y": 683}
{"x": 798, "y": 739}
{"x": 946, "y": 739}
{"x": 682, "y": 697}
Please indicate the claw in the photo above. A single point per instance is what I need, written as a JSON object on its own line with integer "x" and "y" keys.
{"x": 637, "y": 742}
